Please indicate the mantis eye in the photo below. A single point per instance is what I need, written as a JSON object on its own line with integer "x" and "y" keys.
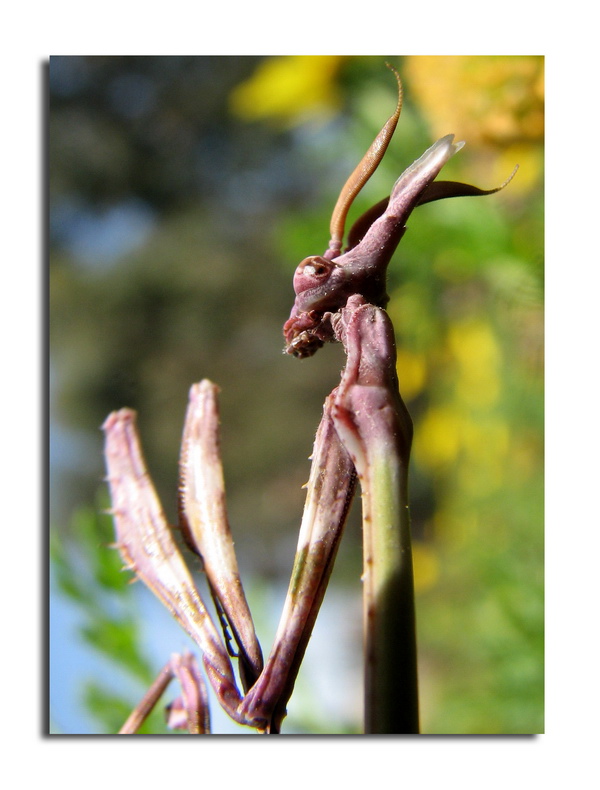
{"x": 312, "y": 272}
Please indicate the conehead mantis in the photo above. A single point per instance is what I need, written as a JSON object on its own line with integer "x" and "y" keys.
{"x": 364, "y": 436}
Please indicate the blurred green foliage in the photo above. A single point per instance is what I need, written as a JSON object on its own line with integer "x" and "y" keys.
{"x": 183, "y": 192}
{"x": 90, "y": 575}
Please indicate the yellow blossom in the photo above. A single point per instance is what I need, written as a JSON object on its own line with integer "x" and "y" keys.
{"x": 477, "y": 355}
{"x": 490, "y": 102}
{"x": 437, "y": 440}
{"x": 426, "y": 566}
{"x": 485, "y": 100}
{"x": 412, "y": 371}
{"x": 289, "y": 89}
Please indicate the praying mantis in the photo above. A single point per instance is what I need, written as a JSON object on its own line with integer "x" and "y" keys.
{"x": 364, "y": 438}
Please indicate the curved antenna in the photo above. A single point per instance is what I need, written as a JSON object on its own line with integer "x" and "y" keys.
{"x": 364, "y": 170}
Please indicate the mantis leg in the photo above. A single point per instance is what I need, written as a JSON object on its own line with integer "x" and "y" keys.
{"x": 189, "y": 711}
{"x": 146, "y": 544}
{"x": 330, "y": 490}
{"x": 204, "y": 522}
{"x": 147, "y": 547}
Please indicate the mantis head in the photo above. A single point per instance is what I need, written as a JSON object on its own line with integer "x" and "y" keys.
{"x": 324, "y": 283}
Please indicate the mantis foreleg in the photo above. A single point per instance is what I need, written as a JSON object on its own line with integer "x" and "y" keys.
{"x": 329, "y": 493}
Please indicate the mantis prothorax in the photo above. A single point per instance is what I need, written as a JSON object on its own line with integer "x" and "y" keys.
{"x": 365, "y": 434}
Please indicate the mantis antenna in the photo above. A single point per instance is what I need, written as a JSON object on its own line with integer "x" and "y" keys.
{"x": 362, "y": 173}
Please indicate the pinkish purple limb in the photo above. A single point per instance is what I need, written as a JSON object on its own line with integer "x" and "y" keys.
{"x": 189, "y": 711}
{"x": 205, "y": 525}
{"x": 329, "y": 493}
{"x": 147, "y": 547}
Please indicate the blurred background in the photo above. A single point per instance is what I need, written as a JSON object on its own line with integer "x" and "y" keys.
{"x": 183, "y": 193}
